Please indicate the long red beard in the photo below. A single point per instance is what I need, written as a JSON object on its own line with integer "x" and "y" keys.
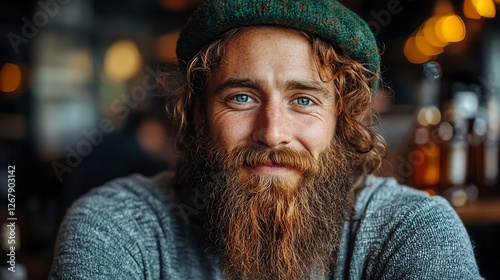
{"x": 270, "y": 227}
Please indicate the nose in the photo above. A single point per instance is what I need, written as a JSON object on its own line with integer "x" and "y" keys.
{"x": 272, "y": 127}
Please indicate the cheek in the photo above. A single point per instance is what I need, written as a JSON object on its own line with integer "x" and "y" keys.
{"x": 230, "y": 130}
{"x": 317, "y": 136}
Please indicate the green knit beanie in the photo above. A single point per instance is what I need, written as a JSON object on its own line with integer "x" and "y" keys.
{"x": 329, "y": 19}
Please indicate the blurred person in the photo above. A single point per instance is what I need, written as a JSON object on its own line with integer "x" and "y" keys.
{"x": 275, "y": 129}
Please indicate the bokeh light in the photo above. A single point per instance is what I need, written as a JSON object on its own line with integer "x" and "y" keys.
{"x": 425, "y": 47}
{"x": 10, "y": 77}
{"x": 122, "y": 61}
{"x": 429, "y": 32}
{"x": 470, "y": 11}
{"x": 485, "y": 8}
{"x": 429, "y": 116}
{"x": 413, "y": 54}
{"x": 450, "y": 28}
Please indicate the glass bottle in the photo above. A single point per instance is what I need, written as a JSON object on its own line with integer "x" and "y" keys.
{"x": 457, "y": 161}
{"x": 486, "y": 139}
{"x": 424, "y": 154}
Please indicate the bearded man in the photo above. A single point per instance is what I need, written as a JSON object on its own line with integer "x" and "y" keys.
{"x": 275, "y": 129}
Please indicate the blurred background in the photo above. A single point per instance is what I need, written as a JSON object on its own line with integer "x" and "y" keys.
{"x": 79, "y": 106}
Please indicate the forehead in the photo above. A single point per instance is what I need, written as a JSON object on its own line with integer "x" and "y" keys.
{"x": 270, "y": 35}
{"x": 263, "y": 40}
{"x": 267, "y": 49}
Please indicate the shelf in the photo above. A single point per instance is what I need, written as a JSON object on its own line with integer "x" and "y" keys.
{"x": 483, "y": 211}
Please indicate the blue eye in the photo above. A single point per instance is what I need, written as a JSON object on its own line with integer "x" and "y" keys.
{"x": 303, "y": 101}
{"x": 242, "y": 98}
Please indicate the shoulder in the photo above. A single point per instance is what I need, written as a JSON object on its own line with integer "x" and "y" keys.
{"x": 404, "y": 233}
{"x": 137, "y": 208}
{"x": 395, "y": 212}
{"x": 387, "y": 197}
{"x": 127, "y": 194}
{"x": 386, "y": 189}
{"x": 118, "y": 230}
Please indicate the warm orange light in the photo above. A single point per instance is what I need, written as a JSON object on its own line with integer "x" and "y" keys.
{"x": 431, "y": 174}
{"x": 431, "y": 192}
{"x": 470, "y": 11}
{"x": 10, "y": 77}
{"x": 485, "y": 8}
{"x": 450, "y": 28}
{"x": 425, "y": 47}
{"x": 122, "y": 61}
{"x": 429, "y": 32}
{"x": 413, "y": 54}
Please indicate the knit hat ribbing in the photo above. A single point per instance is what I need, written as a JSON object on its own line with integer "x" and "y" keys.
{"x": 329, "y": 19}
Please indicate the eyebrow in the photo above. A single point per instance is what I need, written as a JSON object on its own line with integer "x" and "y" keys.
{"x": 289, "y": 85}
{"x": 308, "y": 85}
{"x": 235, "y": 83}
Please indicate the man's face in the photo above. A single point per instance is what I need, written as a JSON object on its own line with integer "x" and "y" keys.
{"x": 267, "y": 92}
{"x": 278, "y": 181}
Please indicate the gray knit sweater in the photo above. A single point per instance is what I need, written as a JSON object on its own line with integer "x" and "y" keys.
{"x": 132, "y": 228}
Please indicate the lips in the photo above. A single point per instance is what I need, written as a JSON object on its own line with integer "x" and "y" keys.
{"x": 269, "y": 168}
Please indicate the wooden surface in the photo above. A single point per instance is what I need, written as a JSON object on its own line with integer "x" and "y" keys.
{"x": 480, "y": 212}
